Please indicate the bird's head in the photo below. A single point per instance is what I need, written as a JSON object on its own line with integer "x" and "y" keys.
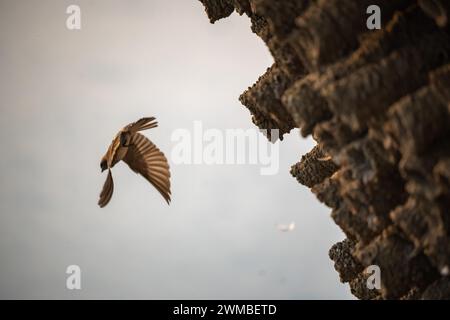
{"x": 104, "y": 165}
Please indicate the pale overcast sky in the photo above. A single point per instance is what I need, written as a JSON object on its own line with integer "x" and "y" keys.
{"x": 63, "y": 96}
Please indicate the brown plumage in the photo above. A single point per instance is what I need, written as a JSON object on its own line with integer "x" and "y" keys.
{"x": 141, "y": 155}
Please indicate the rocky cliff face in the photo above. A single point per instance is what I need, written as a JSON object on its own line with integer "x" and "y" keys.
{"x": 377, "y": 102}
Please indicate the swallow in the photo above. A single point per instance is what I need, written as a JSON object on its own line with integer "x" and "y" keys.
{"x": 141, "y": 155}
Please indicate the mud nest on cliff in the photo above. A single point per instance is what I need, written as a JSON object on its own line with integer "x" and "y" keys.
{"x": 377, "y": 102}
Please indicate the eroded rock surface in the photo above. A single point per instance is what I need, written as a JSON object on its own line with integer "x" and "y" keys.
{"x": 377, "y": 102}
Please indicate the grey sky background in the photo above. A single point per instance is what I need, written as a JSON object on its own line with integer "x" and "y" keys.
{"x": 64, "y": 94}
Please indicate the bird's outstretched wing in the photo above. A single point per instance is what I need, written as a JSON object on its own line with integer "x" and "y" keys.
{"x": 145, "y": 158}
{"x": 141, "y": 124}
{"x": 107, "y": 191}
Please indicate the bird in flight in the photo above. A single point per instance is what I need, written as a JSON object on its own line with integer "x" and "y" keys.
{"x": 141, "y": 155}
